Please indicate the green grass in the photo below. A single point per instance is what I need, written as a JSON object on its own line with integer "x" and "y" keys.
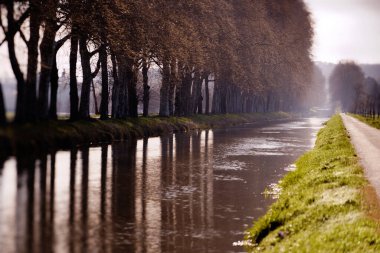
{"x": 220, "y": 120}
{"x": 321, "y": 207}
{"x": 65, "y": 134}
{"x": 375, "y": 122}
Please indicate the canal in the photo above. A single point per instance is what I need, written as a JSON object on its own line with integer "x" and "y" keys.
{"x": 186, "y": 192}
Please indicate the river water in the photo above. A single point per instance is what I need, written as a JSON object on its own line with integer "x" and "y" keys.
{"x": 187, "y": 192}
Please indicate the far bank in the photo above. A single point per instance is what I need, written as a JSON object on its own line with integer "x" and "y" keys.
{"x": 62, "y": 134}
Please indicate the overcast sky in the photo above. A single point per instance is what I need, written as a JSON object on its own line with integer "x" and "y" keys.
{"x": 346, "y": 29}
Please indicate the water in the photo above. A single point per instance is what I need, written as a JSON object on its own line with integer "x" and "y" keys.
{"x": 188, "y": 192}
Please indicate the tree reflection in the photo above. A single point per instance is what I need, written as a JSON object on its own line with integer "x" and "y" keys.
{"x": 150, "y": 195}
{"x": 123, "y": 201}
{"x": 73, "y": 164}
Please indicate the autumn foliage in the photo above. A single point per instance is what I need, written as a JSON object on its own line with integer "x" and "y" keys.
{"x": 256, "y": 54}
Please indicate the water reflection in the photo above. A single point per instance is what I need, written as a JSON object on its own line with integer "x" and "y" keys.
{"x": 194, "y": 192}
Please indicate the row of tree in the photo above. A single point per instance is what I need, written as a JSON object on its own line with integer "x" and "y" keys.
{"x": 353, "y": 91}
{"x": 257, "y": 53}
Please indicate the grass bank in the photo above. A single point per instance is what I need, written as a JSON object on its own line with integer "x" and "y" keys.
{"x": 64, "y": 134}
{"x": 324, "y": 206}
{"x": 375, "y": 122}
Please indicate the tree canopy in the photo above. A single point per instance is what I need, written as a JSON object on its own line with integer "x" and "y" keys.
{"x": 345, "y": 83}
{"x": 257, "y": 53}
{"x": 353, "y": 91}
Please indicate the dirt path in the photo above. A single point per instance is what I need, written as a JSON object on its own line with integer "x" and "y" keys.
{"x": 366, "y": 140}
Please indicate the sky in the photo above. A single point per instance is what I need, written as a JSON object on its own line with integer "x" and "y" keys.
{"x": 346, "y": 30}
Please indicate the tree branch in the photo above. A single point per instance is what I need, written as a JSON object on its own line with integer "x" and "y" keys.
{"x": 62, "y": 41}
{"x": 23, "y": 17}
{"x": 3, "y": 41}
{"x": 22, "y": 35}
{"x": 94, "y": 52}
{"x": 157, "y": 63}
{"x": 18, "y": 24}
{"x": 95, "y": 73}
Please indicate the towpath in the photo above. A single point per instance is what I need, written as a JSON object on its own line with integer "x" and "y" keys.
{"x": 366, "y": 141}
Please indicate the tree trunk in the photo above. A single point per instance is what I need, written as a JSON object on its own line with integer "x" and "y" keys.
{"x": 132, "y": 92}
{"x": 164, "y": 91}
{"x": 178, "y": 101}
{"x": 194, "y": 93}
{"x": 200, "y": 99}
{"x": 183, "y": 96}
{"x": 3, "y": 118}
{"x": 220, "y": 96}
{"x": 74, "y": 99}
{"x": 187, "y": 94}
{"x": 173, "y": 84}
{"x": 47, "y": 57}
{"x": 31, "y": 76}
{"x": 54, "y": 78}
{"x": 146, "y": 87}
{"x": 115, "y": 86}
{"x": 47, "y": 51}
{"x": 84, "y": 107}
{"x": 197, "y": 94}
{"x": 12, "y": 29}
{"x": 95, "y": 98}
{"x": 223, "y": 98}
{"x": 121, "y": 92}
{"x": 105, "y": 94}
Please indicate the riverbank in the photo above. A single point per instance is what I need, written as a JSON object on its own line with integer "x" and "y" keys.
{"x": 326, "y": 205}
{"x": 43, "y": 136}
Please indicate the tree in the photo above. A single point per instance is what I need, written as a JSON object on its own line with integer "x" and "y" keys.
{"x": 48, "y": 53}
{"x": 368, "y": 98}
{"x": 30, "y": 95}
{"x": 256, "y": 52}
{"x": 14, "y": 26}
{"x": 346, "y": 81}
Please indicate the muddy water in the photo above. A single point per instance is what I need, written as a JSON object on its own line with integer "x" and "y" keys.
{"x": 188, "y": 192}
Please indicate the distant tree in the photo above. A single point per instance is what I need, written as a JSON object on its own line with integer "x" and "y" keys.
{"x": 346, "y": 82}
{"x": 368, "y": 97}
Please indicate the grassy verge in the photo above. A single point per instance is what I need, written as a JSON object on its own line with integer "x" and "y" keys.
{"x": 65, "y": 134}
{"x": 375, "y": 122}
{"x": 323, "y": 205}
{"x": 221, "y": 120}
